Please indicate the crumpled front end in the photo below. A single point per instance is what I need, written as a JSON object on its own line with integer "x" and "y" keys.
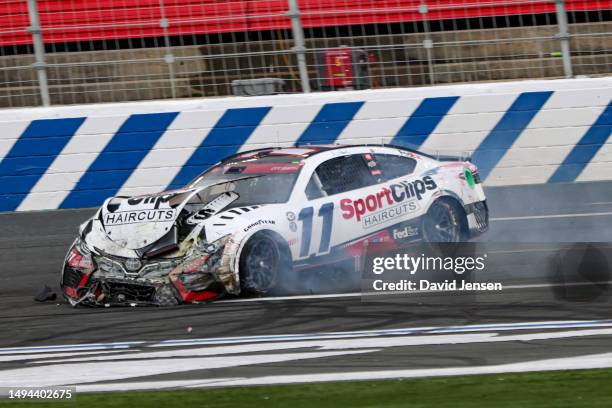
{"x": 94, "y": 278}
{"x": 154, "y": 250}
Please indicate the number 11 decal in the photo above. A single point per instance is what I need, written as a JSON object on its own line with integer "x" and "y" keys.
{"x": 326, "y": 212}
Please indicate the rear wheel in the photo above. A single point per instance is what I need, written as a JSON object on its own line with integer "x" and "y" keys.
{"x": 443, "y": 223}
{"x": 260, "y": 263}
{"x": 444, "y": 226}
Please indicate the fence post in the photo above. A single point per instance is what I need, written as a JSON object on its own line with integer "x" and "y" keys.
{"x": 428, "y": 42}
{"x": 299, "y": 48}
{"x": 164, "y": 23}
{"x": 39, "y": 52}
{"x": 564, "y": 37}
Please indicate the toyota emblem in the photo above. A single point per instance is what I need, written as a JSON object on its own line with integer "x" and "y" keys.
{"x": 133, "y": 264}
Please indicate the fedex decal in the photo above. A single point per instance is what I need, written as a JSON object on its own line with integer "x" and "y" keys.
{"x": 390, "y": 202}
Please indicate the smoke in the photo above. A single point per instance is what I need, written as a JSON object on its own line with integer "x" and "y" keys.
{"x": 533, "y": 241}
{"x": 319, "y": 279}
{"x": 581, "y": 272}
{"x": 555, "y": 235}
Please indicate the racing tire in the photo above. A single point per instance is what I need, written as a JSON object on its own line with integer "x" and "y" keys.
{"x": 262, "y": 262}
{"x": 444, "y": 223}
{"x": 445, "y": 232}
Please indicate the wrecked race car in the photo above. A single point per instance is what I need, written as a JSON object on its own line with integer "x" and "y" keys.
{"x": 258, "y": 218}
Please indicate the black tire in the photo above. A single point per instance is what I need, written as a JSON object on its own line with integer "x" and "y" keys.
{"x": 261, "y": 262}
{"x": 445, "y": 231}
{"x": 444, "y": 222}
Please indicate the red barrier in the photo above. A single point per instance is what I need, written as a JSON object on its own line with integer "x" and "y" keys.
{"x": 85, "y": 20}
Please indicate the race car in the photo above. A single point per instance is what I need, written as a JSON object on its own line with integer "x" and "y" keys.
{"x": 261, "y": 217}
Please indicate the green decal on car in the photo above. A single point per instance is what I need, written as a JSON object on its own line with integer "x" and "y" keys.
{"x": 469, "y": 177}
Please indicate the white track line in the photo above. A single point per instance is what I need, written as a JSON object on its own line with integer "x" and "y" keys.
{"x": 34, "y": 356}
{"x": 430, "y": 338}
{"x": 142, "y": 365}
{"x": 536, "y": 217}
{"x": 566, "y": 363}
{"x": 542, "y": 325}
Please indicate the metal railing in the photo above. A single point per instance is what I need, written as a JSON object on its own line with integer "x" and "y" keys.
{"x": 177, "y": 49}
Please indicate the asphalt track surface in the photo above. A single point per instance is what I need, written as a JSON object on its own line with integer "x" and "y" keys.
{"x": 530, "y": 224}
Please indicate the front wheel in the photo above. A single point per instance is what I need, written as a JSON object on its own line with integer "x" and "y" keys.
{"x": 260, "y": 263}
{"x": 443, "y": 223}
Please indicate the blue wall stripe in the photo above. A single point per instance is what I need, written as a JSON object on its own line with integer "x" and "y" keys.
{"x": 423, "y": 121}
{"x": 586, "y": 149}
{"x": 30, "y": 157}
{"x": 508, "y": 129}
{"x": 127, "y": 148}
{"x": 227, "y": 136}
{"x": 329, "y": 122}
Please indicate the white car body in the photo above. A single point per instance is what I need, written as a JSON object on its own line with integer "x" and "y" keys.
{"x": 312, "y": 228}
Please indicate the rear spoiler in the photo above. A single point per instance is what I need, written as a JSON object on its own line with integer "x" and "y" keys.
{"x": 439, "y": 157}
{"x": 446, "y": 158}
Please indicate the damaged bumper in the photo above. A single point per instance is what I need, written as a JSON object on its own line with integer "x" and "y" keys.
{"x": 478, "y": 218}
{"x": 94, "y": 278}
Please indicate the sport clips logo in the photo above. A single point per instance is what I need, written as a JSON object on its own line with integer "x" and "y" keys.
{"x": 399, "y": 199}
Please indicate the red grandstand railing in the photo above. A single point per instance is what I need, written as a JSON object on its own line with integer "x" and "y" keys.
{"x": 84, "y": 20}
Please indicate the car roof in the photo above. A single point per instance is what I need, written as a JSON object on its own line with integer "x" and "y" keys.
{"x": 302, "y": 152}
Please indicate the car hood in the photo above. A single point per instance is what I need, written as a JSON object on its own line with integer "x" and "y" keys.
{"x": 135, "y": 222}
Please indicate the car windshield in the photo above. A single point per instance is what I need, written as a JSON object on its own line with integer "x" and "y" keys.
{"x": 254, "y": 184}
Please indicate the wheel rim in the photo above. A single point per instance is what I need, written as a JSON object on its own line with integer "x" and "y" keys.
{"x": 261, "y": 264}
{"x": 440, "y": 225}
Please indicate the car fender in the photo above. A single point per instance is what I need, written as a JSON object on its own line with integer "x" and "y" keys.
{"x": 238, "y": 232}
{"x": 235, "y": 246}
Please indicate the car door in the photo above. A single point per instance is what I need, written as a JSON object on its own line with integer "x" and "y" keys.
{"x": 321, "y": 221}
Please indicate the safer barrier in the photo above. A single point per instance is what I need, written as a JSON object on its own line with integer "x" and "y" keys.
{"x": 518, "y": 133}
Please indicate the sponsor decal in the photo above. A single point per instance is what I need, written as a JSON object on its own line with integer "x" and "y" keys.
{"x": 390, "y": 202}
{"x": 156, "y": 200}
{"x": 136, "y": 216}
{"x": 160, "y": 211}
{"x": 259, "y": 222}
{"x": 283, "y": 169}
{"x": 379, "y": 217}
{"x": 406, "y": 189}
{"x": 358, "y": 208}
{"x": 409, "y": 154}
{"x": 271, "y": 167}
{"x": 405, "y": 233}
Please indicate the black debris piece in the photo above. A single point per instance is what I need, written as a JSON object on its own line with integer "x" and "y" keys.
{"x": 45, "y": 294}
